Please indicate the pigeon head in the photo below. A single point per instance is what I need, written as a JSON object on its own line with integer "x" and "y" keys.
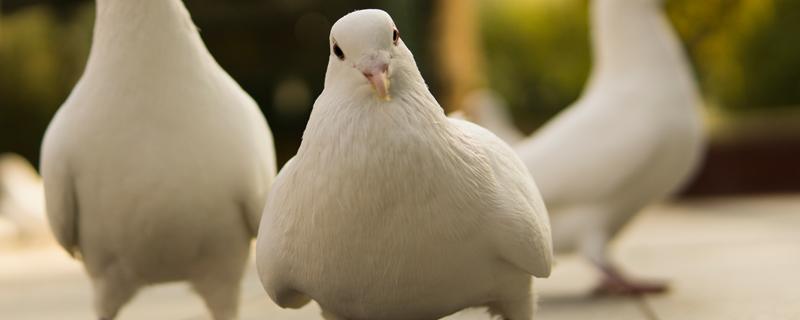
{"x": 367, "y": 55}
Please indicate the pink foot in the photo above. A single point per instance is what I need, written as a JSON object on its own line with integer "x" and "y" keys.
{"x": 616, "y": 284}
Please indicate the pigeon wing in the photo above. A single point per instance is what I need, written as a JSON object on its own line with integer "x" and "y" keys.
{"x": 589, "y": 154}
{"x": 520, "y": 232}
{"x": 60, "y": 201}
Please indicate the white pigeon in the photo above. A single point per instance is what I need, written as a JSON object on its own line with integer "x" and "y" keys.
{"x": 633, "y": 138}
{"x": 390, "y": 210}
{"x": 486, "y": 107}
{"x": 22, "y": 198}
{"x": 157, "y": 166}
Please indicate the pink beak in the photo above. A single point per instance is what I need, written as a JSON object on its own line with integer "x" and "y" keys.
{"x": 379, "y": 80}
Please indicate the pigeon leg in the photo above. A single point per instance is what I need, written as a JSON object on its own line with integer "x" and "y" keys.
{"x": 517, "y": 309}
{"x": 329, "y": 316}
{"x": 595, "y": 247}
{"x": 218, "y": 280}
{"x": 615, "y": 283}
{"x": 518, "y": 303}
{"x": 110, "y": 294}
{"x": 220, "y": 295}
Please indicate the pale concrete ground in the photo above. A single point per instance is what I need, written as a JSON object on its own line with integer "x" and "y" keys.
{"x": 735, "y": 258}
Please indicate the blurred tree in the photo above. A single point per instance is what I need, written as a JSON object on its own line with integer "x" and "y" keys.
{"x": 771, "y": 56}
{"x": 459, "y": 56}
{"x": 537, "y": 54}
{"x": 40, "y": 59}
{"x": 745, "y": 52}
{"x": 277, "y": 50}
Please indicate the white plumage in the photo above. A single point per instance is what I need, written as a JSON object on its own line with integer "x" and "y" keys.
{"x": 157, "y": 166}
{"x": 634, "y": 137}
{"x": 486, "y": 107}
{"x": 390, "y": 210}
{"x": 22, "y": 198}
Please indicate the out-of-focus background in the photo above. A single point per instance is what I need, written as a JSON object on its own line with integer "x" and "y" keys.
{"x": 535, "y": 53}
{"x": 730, "y": 248}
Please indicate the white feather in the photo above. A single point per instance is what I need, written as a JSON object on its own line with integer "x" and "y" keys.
{"x": 634, "y": 137}
{"x": 157, "y": 166}
{"x": 390, "y": 210}
{"x": 490, "y": 110}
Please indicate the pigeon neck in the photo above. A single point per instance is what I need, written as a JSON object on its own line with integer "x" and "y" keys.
{"x": 361, "y": 118}
{"x": 632, "y": 36}
{"x": 144, "y": 32}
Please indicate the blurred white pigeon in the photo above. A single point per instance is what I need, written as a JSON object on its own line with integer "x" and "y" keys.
{"x": 390, "y": 210}
{"x": 633, "y": 138}
{"x": 22, "y": 198}
{"x": 491, "y": 111}
{"x": 157, "y": 166}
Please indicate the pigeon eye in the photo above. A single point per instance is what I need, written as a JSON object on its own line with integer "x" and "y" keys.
{"x": 395, "y": 36}
{"x": 338, "y": 51}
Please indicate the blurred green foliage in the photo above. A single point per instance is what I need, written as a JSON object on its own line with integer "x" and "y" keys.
{"x": 538, "y": 54}
{"x": 41, "y": 58}
{"x": 746, "y": 54}
{"x": 276, "y": 49}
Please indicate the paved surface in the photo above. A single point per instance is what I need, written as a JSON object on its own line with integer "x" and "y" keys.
{"x": 735, "y": 258}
